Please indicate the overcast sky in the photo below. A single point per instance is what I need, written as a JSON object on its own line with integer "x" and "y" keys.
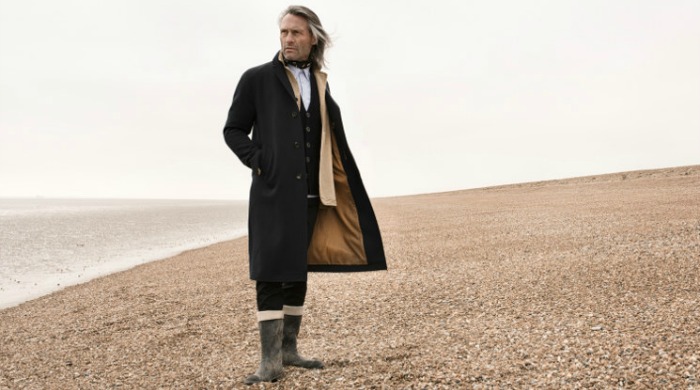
{"x": 128, "y": 98}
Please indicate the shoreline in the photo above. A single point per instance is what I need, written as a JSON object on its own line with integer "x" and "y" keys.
{"x": 49, "y": 244}
{"x": 578, "y": 283}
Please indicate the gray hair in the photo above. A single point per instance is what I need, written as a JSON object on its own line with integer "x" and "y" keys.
{"x": 323, "y": 40}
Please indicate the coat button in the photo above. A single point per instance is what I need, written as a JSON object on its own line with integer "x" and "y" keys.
{"x": 298, "y": 176}
{"x": 308, "y": 129}
{"x": 296, "y": 145}
{"x": 294, "y": 114}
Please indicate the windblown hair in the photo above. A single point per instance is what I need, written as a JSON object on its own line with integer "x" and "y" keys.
{"x": 322, "y": 37}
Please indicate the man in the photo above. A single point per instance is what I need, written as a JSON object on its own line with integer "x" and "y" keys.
{"x": 308, "y": 208}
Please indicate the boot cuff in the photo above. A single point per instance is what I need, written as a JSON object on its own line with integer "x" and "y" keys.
{"x": 268, "y": 315}
{"x": 293, "y": 310}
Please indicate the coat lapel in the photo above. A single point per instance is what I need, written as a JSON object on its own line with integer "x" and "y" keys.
{"x": 326, "y": 184}
{"x": 281, "y": 74}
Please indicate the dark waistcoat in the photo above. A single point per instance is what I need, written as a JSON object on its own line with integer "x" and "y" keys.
{"x": 311, "y": 123}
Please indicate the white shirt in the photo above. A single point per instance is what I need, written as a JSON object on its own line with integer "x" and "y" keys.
{"x": 303, "y": 79}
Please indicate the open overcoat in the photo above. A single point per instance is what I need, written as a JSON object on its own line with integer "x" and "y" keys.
{"x": 346, "y": 235}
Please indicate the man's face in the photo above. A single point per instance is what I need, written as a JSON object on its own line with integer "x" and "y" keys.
{"x": 295, "y": 38}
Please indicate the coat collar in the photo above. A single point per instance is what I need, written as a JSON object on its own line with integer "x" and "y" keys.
{"x": 286, "y": 77}
{"x": 280, "y": 72}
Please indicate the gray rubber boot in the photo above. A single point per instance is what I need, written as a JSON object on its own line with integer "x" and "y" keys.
{"x": 291, "y": 356}
{"x": 271, "y": 347}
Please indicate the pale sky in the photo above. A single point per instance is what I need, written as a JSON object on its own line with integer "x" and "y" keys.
{"x": 128, "y": 98}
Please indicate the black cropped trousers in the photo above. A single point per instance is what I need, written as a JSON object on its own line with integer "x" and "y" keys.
{"x": 276, "y": 295}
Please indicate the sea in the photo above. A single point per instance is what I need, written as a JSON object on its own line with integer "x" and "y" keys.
{"x": 49, "y": 244}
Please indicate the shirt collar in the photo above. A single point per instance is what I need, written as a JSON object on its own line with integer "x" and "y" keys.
{"x": 298, "y": 71}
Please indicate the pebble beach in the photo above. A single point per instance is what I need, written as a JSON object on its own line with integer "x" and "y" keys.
{"x": 590, "y": 282}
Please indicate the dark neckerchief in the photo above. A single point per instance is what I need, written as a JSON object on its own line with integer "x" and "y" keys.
{"x": 298, "y": 64}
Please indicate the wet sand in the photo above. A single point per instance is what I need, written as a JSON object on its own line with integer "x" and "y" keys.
{"x": 581, "y": 283}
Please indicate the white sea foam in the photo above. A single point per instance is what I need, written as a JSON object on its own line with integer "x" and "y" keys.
{"x": 48, "y": 244}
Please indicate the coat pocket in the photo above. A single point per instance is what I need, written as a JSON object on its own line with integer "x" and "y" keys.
{"x": 256, "y": 166}
{"x": 261, "y": 164}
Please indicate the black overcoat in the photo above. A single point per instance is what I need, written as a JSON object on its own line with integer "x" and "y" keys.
{"x": 346, "y": 235}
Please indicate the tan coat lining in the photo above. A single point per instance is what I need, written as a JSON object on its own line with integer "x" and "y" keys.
{"x": 338, "y": 238}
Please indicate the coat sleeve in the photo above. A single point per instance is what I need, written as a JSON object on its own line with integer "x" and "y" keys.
{"x": 240, "y": 122}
